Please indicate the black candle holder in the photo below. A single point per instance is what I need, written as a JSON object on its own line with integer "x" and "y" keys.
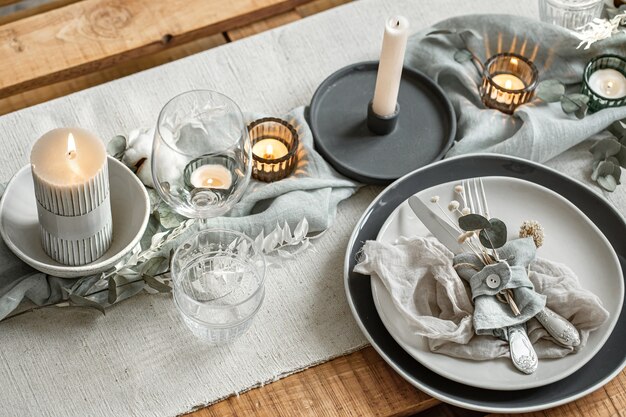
{"x": 273, "y": 169}
{"x": 499, "y": 97}
{"x": 376, "y": 149}
{"x": 596, "y": 100}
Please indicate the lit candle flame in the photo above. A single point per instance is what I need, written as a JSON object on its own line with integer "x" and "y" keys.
{"x": 269, "y": 152}
{"x": 609, "y": 85}
{"x": 71, "y": 147}
{"x": 508, "y": 84}
{"x": 514, "y": 62}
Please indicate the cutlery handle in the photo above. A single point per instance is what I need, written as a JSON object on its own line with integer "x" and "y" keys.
{"x": 523, "y": 354}
{"x": 559, "y": 328}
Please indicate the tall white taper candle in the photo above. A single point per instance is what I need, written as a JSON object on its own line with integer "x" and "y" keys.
{"x": 390, "y": 67}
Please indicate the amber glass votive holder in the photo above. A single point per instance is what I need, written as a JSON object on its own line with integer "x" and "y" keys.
{"x": 274, "y": 148}
{"x": 509, "y": 80}
{"x": 597, "y": 100}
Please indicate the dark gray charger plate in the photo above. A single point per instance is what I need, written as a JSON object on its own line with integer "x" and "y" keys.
{"x": 338, "y": 119}
{"x": 607, "y": 363}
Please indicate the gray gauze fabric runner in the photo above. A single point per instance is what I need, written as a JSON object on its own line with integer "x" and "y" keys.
{"x": 427, "y": 291}
{"x": 539, "y": 131}
{"x": 313, "y": 191}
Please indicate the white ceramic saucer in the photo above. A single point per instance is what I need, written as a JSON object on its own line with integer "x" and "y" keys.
{"x": 19, "y": 226}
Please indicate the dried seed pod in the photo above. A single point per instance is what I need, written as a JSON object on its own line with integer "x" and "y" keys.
{"x": 532, "y": 228}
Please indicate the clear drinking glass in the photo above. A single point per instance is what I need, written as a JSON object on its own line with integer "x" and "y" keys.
{"x": 572, "y": 14}
{"x": 201, "y": 155}
{"x": 218, "y": 279}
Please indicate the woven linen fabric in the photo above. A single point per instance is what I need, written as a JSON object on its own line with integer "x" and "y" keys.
{"x": 139, "y": 359}
{"x": 491, "y": 316}
{"x": 312, "y": 192}
{"x": 420, "y": 276}
{"x": 537, "y": 131}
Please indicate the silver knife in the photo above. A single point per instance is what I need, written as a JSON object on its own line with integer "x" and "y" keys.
{"x": 440, "y": 229}
{"x": 523, "y": 355}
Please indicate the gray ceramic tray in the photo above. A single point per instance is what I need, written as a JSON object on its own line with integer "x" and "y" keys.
{"x": 338, "y": 119}
{"x": 609, "y": 361}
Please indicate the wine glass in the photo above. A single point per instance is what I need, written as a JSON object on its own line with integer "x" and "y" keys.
{"x": 201, "y": 155}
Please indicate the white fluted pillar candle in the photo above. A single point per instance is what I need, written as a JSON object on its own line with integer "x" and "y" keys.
{"x": 71, "y": 178}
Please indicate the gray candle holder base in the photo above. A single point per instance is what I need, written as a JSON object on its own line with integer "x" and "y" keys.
{"x": 375, "y": 150}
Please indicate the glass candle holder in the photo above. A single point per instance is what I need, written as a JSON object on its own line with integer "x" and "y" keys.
{"x": 604, "y": 82}
{"x": 274, "y": 148}
{"x": 509, "y": 80}
{"x": 572, "y": 14}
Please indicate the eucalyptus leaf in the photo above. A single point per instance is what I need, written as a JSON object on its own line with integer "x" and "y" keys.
{"x": 581, "y": 112}
{"x": 117, "y": 146}
{"x": 621, "y": 156}
{"x": 608, "y": 183}
{"x": 472, "y": 221}
{"x": 618, "y": 129}
{"x": 550, "y": 91}
{"x": 154, "y": 266}
{"x": 77, "y": 300}
{"x": 605, "y": 148}
{"x": 153, "y": 226}
{"x": 571, "y": 103}
{"x": 112, "y": 290}
{"x": 602, "y": 169}
{"x": 156, "y": 284}
{"x": 494, "y": 236}
{"x": 463, "y": 55}
{"x": 287, "y": 238}
{"x": 168, "y": 217}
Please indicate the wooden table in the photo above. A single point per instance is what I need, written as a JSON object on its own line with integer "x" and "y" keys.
{"x": 62, "y": 46}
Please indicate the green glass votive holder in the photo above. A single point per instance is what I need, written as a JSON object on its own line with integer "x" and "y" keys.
{"x": 274, "y": 148}
{"x": 604, "y": 82}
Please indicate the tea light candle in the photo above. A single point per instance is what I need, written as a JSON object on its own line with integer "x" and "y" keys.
{"x": 270, "y": 149}
{"x": 71, "y": 180}
{"x": 390, "y": 66}
{"x": 604, "y": 82}
{"x": 608, "y": 83}
{"x": 509, "y": 80}
{"x": 274, "y": 148}
{"x": 212, "y": 176}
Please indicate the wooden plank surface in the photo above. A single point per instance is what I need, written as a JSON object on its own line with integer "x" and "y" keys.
{"x": 95, "y": 34}
{"x": 358, "y": 384}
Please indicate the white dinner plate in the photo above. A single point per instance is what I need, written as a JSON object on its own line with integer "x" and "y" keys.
{"x": 571, "y": 239}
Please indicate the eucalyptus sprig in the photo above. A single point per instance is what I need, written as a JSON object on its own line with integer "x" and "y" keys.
{"x": 609, "y": 157}
{"x": 552, "y": 91}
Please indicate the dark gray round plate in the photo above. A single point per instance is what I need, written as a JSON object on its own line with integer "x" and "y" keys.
{"x": 607, "y": 363}
{"x": 338, "y": 119}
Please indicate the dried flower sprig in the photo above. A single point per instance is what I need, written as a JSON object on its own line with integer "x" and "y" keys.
{"x": 599, "y": 29}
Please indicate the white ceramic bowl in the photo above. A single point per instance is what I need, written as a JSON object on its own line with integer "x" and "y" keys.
{"x": 19, "y": 225}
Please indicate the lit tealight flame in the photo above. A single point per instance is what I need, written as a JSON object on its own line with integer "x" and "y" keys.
{"x": 514, "y": 62}
{"x": 508, "y": 83}
{"x": 269, "y": 152}
{"x": 212, "y": 183}
{"x": 609, "y": 85}
{"x": 71, "y": 147}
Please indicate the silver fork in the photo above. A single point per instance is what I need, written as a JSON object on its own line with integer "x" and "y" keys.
{"x": 522, "y": 352}
{"x": 563, "y": 332}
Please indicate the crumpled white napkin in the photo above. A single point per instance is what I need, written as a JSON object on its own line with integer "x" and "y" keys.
{"x": 436, "y": 303}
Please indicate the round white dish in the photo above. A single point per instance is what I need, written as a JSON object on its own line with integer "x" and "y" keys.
{"x": 571, "y": 238}
{"x": 19, "y": 225}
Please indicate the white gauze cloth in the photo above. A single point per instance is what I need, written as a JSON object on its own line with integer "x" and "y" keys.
{"x": 436, "y": 303}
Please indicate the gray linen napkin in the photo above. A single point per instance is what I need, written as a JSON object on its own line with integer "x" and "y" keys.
{"x": 537, "y": 131}
{"x": 313, "y": 192}
{"x": 492, "y": 317}
{"x": 437, "y": 304}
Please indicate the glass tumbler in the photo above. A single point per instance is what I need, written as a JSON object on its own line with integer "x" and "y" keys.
{"x": 218, "y": 278}
{"x": 572, "y": 14}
